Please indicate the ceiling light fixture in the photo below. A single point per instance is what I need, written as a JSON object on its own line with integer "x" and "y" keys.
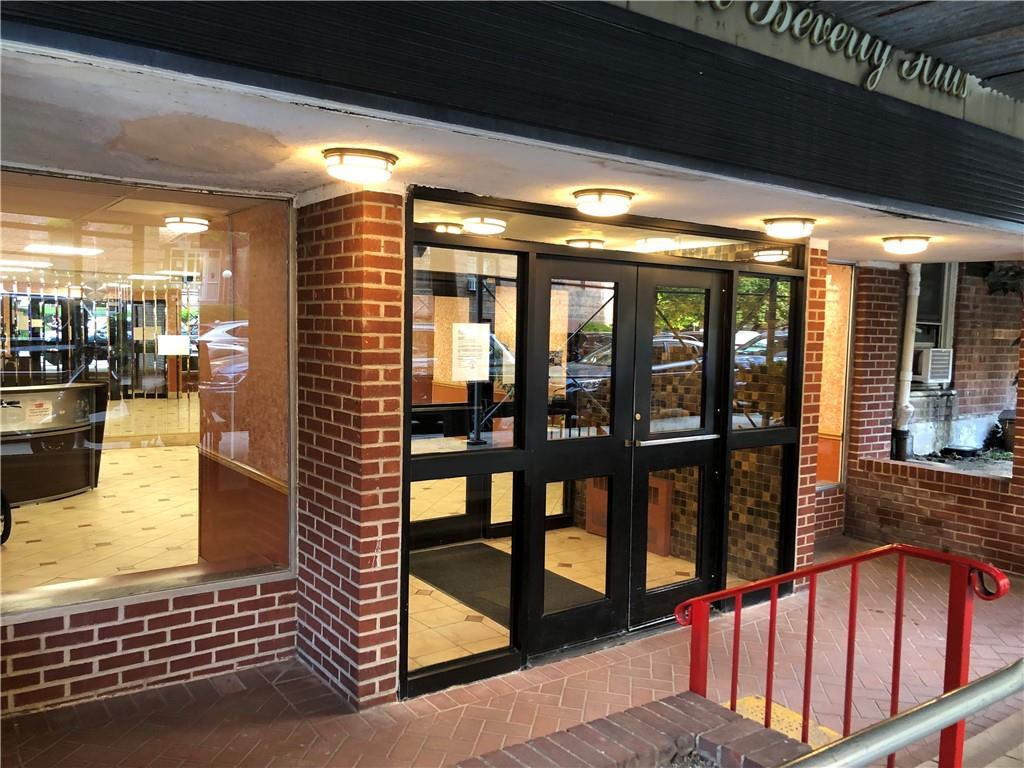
{"x": 7, "y": 263}
{"x": 61, "y": 250}
{"x": 905, "y": 245}
{"x": 771, "y": 255}
{"x": 603, "y": 202}
{"x": 360, "y": 166}
{"x": 585, "y": 242}
{"x": 19, "y": 270}
{"x": 789, "y": 227}
{"x": 186, "y": 225}
{"x": 484, "y": 225}
{"x": 447, "y": 227}
{"x": 176, "y": 273}
{"x": 656, "y": 244}
{"x": 149, "y": 278}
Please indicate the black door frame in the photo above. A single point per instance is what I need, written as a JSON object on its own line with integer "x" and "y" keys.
{"x": 519, "y": 458}
{"x": 608, "y": 456}
{"x": 672, "y": 450}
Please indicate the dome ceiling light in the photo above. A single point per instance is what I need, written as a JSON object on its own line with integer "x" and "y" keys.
{"x": 905, "y": 245}
{"x": 360, "y": 166}
{"x": 186, "y": 225}
{"x": 789, "y": 227}
{"x": 447, "y": 227}
{"x": 584, "y": 242}
{"x": 603, "y": 202}
{"x": 771, "y": 255}
{"x": 484, "y": 225}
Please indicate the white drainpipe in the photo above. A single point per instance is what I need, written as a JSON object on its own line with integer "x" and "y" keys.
{"x": 904, "y": 410}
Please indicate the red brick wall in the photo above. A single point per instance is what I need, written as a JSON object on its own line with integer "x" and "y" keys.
{"x": 985, "y": 359}
{"x": 889, "y": 501}
{"x": 350, "y": 299}
{"x": 814, "y": 331}
{"x": 145, "y": 641}
{"x": 878, "y": 323}
{"x": 983, "y": 517}
{"x": 831, "y": 510}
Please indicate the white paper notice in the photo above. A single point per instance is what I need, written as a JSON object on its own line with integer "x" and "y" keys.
{"x": 39, "y": 412}
{"x": 471, "y": 351}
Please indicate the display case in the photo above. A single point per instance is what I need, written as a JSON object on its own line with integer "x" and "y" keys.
{"x": 51, "y": 438}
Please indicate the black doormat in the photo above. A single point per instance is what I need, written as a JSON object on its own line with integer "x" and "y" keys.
{"x": 481, "y": 577}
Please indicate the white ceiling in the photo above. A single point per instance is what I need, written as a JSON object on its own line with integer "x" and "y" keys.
{"x": 100, "y": 118}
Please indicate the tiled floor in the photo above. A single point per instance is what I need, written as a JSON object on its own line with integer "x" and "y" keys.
{"x": 282, "y": 716}
{"x": 142, "y": 422}
{"x": 143, "y": 515}
{"x": 442, "y": 628}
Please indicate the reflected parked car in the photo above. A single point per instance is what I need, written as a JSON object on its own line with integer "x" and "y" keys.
{"x": 683, "y": 354}
{"x": 223, "y": 376}
{"x": 755, "y": 351}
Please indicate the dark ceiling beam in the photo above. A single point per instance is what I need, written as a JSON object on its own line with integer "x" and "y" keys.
{"x": 985, "y": 39}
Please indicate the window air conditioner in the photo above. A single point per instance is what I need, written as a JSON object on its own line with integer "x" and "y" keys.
{"x": 933, "y": 366}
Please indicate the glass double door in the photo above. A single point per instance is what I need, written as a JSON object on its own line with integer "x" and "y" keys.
{"x": 623, "y": 423}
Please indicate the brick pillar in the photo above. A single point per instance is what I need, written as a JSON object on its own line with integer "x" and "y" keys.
{"x": 350, "y": 300}
{"x": 814, "y": 340}
{"x": 878, "y": 324}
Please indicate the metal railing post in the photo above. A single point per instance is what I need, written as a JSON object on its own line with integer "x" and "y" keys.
{"x": 959, "y": 621}
{"x": 700, "y": 615}
{"x": 966, "y": 580}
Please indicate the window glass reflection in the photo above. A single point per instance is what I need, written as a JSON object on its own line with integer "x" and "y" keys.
{"x": 463, "y": 350}
{"x": 761, "y": 354}
{"x": 673, "y": 513}
{"x": 145, "y": 382}
{"x": 460, "y": 594}
{"x": 576, "y": 551}
{"x": 581, "y": 348}
{"x": 835, "y": 362}
{"x": 677, "y": 358}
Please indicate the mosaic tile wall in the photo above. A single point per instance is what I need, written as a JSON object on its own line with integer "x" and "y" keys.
{"x": 675, "y": 395}
{"x": 589, "y": 494}
{"x": 755, "y": 502}
{"x": 595, "y": 409}
{"x": 685, "y": 486}
{"x": 761, "y": 394}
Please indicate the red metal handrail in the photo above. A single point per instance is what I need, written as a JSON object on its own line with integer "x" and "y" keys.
{"x": 966, "y": 579}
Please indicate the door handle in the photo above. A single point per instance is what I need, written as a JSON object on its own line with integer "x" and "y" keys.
{"x": 669, "y": 441}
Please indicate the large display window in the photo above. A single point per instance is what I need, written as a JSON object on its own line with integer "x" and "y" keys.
{"x": 144, "y": 374}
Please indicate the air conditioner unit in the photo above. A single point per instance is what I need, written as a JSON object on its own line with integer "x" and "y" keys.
{"x": 933, "y": 366}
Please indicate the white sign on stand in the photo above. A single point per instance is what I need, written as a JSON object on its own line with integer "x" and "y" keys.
{"x": 471, "y": 351}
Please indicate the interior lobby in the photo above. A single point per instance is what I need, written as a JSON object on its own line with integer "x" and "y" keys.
{"x": 128, "y": 385}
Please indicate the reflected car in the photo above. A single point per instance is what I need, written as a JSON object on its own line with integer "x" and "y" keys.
{"x": 755, "y": 351}
{"x": 227, "y": 352}
{"x": 592, "y": 372}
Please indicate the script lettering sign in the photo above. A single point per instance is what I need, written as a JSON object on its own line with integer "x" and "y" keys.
{"x": 817, "y": 28}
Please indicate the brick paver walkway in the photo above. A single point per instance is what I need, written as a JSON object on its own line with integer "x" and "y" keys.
{"x": 282, "y": 716}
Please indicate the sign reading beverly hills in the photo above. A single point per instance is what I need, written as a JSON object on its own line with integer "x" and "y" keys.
{"x": 842, "y": 39}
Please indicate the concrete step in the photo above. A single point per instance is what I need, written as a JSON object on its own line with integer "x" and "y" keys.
{"x": 1001, "y": 746}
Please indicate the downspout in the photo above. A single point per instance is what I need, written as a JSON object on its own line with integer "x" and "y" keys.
{"x": 904, "y": 410}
